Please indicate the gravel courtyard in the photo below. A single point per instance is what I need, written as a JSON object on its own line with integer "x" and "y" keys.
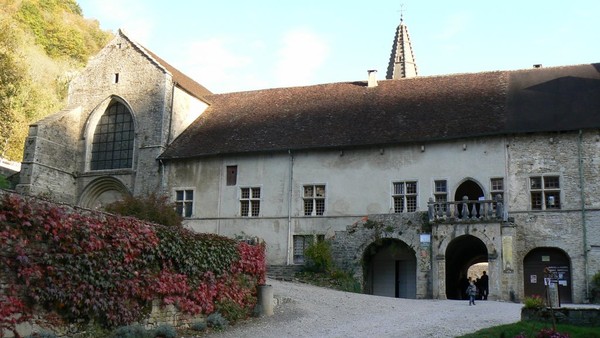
{"x": 311, "y": 311}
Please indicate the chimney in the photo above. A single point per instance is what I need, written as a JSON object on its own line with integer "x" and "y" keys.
{"x": 372, "y": 78}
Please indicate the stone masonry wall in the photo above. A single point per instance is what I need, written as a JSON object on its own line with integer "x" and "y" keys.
{"x": 58, "y": 150}
{"x": 49, "y": 164}
{"x": 559, "y": 155}
{"x": 349, "y": 247}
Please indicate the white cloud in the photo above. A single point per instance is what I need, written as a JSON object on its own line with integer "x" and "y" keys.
{"x": 299, "y": 59}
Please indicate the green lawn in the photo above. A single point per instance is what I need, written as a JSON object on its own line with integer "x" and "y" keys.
{"x": 530, "y": 329}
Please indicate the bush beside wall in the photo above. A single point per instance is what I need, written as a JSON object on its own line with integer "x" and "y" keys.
{"x": 73, "y": 265}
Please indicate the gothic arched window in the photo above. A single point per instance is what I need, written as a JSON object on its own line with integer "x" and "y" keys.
{"x": 112, "y": 147}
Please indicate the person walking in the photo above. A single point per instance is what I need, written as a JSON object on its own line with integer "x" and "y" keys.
{"x": 472, "y": 293}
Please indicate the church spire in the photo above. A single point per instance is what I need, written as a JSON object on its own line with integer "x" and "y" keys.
{"x": 402, "y": 60}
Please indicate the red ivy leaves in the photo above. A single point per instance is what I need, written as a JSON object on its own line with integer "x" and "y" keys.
{"x": 13, "y": 311}
{"x": 106, "y": 267}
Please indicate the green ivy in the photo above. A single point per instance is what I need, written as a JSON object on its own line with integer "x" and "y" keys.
{"x": 109, "y": 269}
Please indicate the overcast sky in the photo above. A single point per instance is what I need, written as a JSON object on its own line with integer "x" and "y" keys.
{"x": 238, "y": 45}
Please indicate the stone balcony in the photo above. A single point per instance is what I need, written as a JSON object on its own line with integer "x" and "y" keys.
{"x": 467, "y": 210}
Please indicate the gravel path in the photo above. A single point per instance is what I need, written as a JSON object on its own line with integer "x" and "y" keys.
{"x": 311, "y": 311}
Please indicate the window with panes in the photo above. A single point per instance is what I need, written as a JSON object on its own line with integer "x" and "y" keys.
{"x": 441, "y": 193}
{"x": 404, "y": 196}
{"x": 314, "y": 200}
{"x": 250, "y": 202}
{"x": 112, "y": 145}
{"x": 545, "y": 192}
{"x": 497, "y": 188}
{"x": 184, "y": 202}
{"x": 301, "y": 242}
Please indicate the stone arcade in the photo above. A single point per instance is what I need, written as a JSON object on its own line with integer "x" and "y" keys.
{"x": 380, "y": 168}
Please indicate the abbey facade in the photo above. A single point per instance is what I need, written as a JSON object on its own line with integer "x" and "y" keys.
{"x": 411, "y": 179}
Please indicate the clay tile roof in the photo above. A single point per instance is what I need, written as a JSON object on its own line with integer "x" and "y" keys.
{"x": 420, "y": 109}
{"x": 182, "y": 80}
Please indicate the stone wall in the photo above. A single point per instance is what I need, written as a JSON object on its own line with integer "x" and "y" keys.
{"x": 50, "y": 157}
{"x": 350, "y": 247}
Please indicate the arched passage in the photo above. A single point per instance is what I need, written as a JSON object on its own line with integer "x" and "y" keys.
{"x": 461, "y": 253}
{"x": 391, "y": 269}
{"x": 102, "y": 192}
{"x": 558, "y": 262}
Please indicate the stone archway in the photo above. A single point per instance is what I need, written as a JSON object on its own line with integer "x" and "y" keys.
{"x": 101, "y": 192}
{"x": 390, "y": 268}
{"x": 461, "y": 253}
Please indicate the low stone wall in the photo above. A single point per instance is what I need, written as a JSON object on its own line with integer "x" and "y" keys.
{"x": 572, "y": 316}
{"x": 283, "y": 272}
{"x": 159, "y": 315}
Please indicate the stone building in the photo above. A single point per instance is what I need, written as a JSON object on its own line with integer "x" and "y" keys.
{"x": 412, "y": 179}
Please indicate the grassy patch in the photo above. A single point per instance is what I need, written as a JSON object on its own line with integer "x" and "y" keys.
{"x": 531, "y": 329}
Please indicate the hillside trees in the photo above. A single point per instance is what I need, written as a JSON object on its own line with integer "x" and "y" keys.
{"x": 42, "y": 45}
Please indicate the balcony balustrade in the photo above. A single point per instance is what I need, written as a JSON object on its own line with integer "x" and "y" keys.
{"x": 466, "y": 210}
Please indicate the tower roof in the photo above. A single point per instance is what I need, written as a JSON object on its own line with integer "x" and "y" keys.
{"x": 402, "y": 59}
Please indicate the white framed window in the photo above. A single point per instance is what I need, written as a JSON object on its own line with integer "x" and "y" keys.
{"x": 250, "y": 201}
{"x": 314, "y": 200}
{"x": 440, "y": 192}
{"x": 184, "y": 202}
{"x": 497, "y": 187}
{"x": 301, "y": 242}
{"x": 545, "y": 192}
{"x": 404, "y": 196}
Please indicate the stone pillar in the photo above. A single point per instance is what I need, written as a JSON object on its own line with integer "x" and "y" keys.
{"x": 265, "y": 300}
{"x": 440, "y": 286}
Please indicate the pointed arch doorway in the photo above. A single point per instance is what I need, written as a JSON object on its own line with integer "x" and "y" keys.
{"x": 472, "y": 190}
{"x": 462, "y": 252}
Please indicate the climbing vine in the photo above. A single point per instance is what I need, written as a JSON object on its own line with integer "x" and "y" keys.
{"x": 107, "y": 268}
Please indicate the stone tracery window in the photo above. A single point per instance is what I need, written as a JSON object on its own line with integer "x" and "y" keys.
{"x": 112, "y": 146}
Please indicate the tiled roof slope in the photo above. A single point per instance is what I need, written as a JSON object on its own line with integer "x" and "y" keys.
{"x": 420, "y": 109}
{"x": 183, "y": 81}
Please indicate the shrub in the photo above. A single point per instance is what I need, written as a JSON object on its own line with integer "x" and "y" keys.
{"x": 318, "y": 257}
{"x": 346, "y": 281}
{"x": 42, "y": 334}
{"x": 4, "y": 183}
{"x": 131, "y": 331}
{"x": 198, "y": 326}
{"x": 232, "y": 310}
{"x": 217, "y": 321}
{"x": 165, "y": 331}
{"x": 152, "y": 208}
{"x": 546, "y": 333}
{"x": 595, "y": 292}
{"x": 534, "y": 302}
